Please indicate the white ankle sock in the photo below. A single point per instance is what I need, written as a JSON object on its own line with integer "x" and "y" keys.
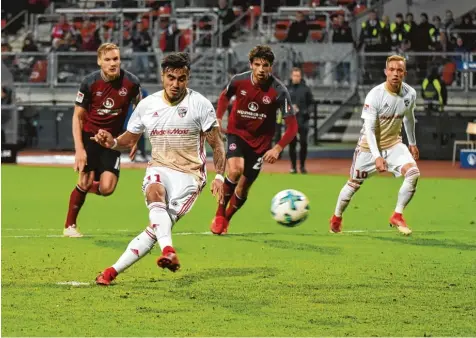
{"x": 345, "y": 196}
{"x": 160, "y": 223}
{"x": 136, "y": 249}
{"x": 407, "y": 189}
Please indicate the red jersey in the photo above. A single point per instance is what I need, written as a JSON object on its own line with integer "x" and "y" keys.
{"x": 253, "y": 114}
{"x": 107, "y": 102}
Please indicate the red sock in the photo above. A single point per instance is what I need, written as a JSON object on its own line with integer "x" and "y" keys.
{"x": 94, "y": 188}
{"x": 228, "y": 190}
{"x": 167, "y": 250}
{"x": 76, "y": 201}
{"x": 235, "y": 204}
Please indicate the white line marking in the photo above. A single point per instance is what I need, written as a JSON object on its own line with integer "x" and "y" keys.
{"x": 73, "y": 283}
{"x": 175, "y": 234}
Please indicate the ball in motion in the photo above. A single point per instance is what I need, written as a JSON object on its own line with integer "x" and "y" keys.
{"x": 289, "y": 207}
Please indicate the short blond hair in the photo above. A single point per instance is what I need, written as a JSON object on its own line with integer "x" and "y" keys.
{"x": 395, "y": 58}
{"x": 106, "y": 47}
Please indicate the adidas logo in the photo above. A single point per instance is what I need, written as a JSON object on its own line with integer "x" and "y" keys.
{"x": 385, "y": 106}
{"x": 155, "y": 114}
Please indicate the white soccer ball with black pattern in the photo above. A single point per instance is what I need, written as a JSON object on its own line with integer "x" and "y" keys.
{"x": 289, "y": 207}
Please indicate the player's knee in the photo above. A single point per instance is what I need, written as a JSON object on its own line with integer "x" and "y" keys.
{"x": 354, "y": 184}
{"x": 234, "y": 174}
{"x": 106, "y": 189}
{"x": 412, "y": 175}
{"x": 155, "y": 193}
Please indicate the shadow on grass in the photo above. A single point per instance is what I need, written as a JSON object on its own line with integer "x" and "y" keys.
{"x": 446, "y": 244}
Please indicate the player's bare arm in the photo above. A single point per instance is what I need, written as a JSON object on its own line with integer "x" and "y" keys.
{"x": 215, "y": 140}
{"x": 80, "y": 158}
{"x": 124, "y": 141}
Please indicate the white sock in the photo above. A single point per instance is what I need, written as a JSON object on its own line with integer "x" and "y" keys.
{"x": 345, "y": 196}
{"x": 408, "y": 189}
{"x": 136, "y": 249}
{"x": 160, "y": 223}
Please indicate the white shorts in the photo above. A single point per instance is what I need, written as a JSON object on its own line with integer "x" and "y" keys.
{"x": 181, "y": 189}
{"x": 363, "y": 164}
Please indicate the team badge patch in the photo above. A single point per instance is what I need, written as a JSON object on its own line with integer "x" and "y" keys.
{"x": 366, "y": 107}
{"x": 79, "y": 97}
{"x": 122, "y": 91}
{"x": 232, "y": 146}
{"x": 407, "y": 102}
{"x": 182, "y": 111}
{"x": 266, "y": 100}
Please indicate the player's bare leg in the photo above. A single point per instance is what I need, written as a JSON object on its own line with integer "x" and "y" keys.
{"x": 76, "y": 201}
{"x": 345, "y": 195}
{"x": 235, "y": 167}
{"x": 411, "y": 173}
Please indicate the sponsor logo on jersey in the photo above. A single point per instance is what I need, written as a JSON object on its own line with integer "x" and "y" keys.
{"x": 266, "y": 100}
{"x": 232, "y": 146}
{"x": 253, "y": 106}
{"x": 175, "y": 131}
{"x": 182, "y": 111}
{"x": 109, "y": 103}
{"x": 79, "y": 97}
{"x": 122, "y": 91}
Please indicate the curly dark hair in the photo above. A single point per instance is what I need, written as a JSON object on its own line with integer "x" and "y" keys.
{"x": 261, "y": 52}
{"x": 175, "y": 61}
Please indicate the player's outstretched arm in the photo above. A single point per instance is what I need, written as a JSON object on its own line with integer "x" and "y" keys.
{"x": 124, "y": 141}
{"x": 80, "y": 159}
{"x": 215, "y": 140}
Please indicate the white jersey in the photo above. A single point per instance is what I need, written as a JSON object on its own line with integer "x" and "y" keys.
{"x": 176, "y": 132}
{"x": 389, "y": 110}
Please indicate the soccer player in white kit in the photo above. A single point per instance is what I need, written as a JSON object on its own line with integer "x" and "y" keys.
{"x": 178, "y": 120}
{"x": 380, "y": 146}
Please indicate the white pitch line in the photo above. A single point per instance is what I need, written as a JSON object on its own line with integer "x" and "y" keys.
{"x": 175, "y": 234}
{"x": 73, "y": 283}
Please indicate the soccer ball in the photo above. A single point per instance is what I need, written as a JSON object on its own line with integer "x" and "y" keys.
{"x": 289, "y": 207}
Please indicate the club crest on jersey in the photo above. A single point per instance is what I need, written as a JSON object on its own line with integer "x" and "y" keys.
{"x": 232, "y": 146}
{"x": 109, "y": 103}
{"x": 407, "y": 102}
{"x": 266, "y": 100}
{"x": 366, "y": 107}
{"x": 122, "y": 91}
{"x": 182, "y": 111}
{"x": 253, "y": 106}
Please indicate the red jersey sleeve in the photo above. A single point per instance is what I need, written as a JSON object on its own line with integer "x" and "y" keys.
{"x": 83, "y": 97}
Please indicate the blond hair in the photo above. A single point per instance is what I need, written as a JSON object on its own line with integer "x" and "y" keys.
{"x": 395, "y": 58}
{"x": 106, "y": 47}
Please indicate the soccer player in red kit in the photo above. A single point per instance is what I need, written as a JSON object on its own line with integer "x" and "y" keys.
{"x": 102, "y": 102}
{"x": 250, "y": 130}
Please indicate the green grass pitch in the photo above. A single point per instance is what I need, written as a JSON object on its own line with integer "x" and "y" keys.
{"x": 261, "y": 280}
